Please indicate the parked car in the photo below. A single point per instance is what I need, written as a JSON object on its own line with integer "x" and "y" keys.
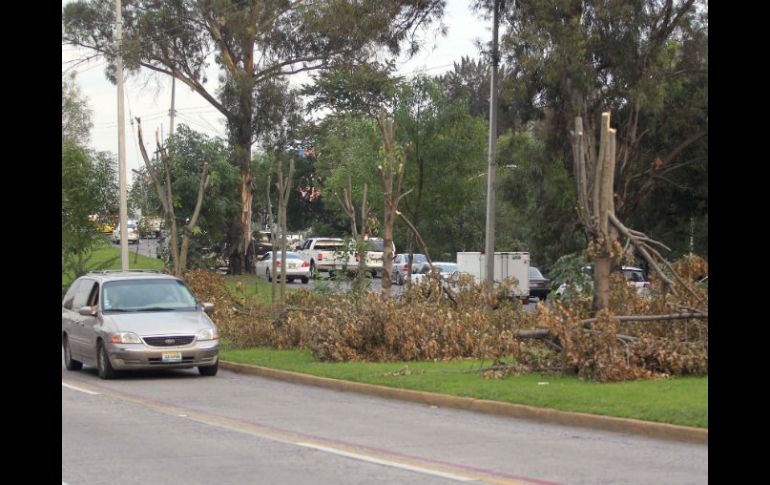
{"x": 103, "y": 224}
{"x": 136, "y": 320}
{"x": 401, "y": 266}
{"x": 105, "y": 227}
{"x": 295, "y": 267}
{"x": 326, "y": 254}
{"x": 539, "y": 285}
{"x": 446, "y": 270}
{"x": 132, "y": 233}
{"x": 636, "y": 277}
{"x": 150, "y": 226}
{"x": 633, "y": 275}
{"x": 374, "y": 253}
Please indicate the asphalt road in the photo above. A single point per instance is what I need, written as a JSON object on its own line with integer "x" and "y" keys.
{"x": 177, "y": 427}
{"x": 146, "y": 247}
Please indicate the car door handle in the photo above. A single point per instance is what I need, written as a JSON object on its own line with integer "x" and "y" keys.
{"x": 82, "y": 324}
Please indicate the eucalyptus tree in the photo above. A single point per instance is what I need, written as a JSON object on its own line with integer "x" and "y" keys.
{"x": 253, "y": 44}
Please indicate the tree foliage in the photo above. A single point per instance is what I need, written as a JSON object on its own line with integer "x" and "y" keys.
{"x": 255, "y": 45}
{"x": 188, "y": 151}
{"x": 89, "y": 183}
{"x": 645, "y": 60}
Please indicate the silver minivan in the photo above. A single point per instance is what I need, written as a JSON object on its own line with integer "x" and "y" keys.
{"x": 136, "y": 320}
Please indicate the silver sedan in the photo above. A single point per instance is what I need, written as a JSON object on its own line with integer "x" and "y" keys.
{"x": 296, "y": 268}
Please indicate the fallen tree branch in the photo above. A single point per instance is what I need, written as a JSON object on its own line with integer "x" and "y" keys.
{"x": 635, "y": 239}
{"x": 645, "y": 318}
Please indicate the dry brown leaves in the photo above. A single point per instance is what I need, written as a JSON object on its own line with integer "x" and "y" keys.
{"x": 425, "y": 324}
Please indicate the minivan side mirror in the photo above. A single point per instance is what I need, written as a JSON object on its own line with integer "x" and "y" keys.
{"x": 208, "y": 307}
{"x": 86, "y": 311}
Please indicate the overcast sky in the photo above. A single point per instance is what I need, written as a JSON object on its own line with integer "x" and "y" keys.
{"x": 149, "y": 95}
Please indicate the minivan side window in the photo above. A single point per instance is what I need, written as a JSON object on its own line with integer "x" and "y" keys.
{"x": 67, "y": 302}
{"x": 84, "y": 291}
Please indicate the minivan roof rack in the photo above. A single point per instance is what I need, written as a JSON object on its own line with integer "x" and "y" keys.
{"x": 108, "y": 271}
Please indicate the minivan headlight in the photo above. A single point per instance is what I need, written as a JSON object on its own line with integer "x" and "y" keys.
{"x": 125, "y": 338}
{"x": 208, "y": 334}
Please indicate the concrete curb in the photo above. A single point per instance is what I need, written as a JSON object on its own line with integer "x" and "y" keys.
{"x": 649, "y": 429}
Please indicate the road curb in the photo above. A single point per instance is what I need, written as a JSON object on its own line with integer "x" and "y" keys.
{"x": 649, "y": 429}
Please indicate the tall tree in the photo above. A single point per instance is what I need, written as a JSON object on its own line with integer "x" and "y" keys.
{"x": 255, "y": 43}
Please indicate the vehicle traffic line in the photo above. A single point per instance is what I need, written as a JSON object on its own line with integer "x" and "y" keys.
{"x": 350, "y": 450}
{"x": 369, "y": 459}
{"x": 80, "y": 389}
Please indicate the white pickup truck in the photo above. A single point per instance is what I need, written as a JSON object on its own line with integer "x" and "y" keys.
{"x": 326, "y": 254}
{"x": 375, "y": 252}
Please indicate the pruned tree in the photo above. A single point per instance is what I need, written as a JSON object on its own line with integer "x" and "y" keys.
{"x": 359, "y": 236}
{"x": 595, "y": 178}
{"x": 166, "y": 196}
{"x": 392, "y": 179}
{"x": 284, "y": 185}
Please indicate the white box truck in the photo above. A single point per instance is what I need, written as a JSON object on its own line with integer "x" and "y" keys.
{"x": 507, "y": 265}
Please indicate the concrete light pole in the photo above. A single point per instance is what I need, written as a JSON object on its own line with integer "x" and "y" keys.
{"x": 489, "y": 247}
{"x": 121, "y": 142}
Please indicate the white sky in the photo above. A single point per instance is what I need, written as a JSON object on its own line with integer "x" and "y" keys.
{"x": 148, "y": 96}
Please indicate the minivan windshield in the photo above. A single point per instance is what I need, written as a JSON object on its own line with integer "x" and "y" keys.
{"x": 144, "y": 295}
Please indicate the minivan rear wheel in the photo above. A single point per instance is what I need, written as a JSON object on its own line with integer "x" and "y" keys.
{"x": 69, "y": 362}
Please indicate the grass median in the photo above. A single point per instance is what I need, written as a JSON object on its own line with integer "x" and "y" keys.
{"x": 107, "y": 256}
{"x": 680, "y": 400}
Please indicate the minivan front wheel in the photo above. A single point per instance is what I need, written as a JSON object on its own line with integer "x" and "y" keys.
{"x": 103, "y": 364}
{"x": 208, "y": 370}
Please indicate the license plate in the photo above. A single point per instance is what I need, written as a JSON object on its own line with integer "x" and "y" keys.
{"x": 292, "y": 266}
{"x": 172, "y": 356}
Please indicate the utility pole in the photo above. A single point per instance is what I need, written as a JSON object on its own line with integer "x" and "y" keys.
{"x": 489, "y": 247}
{"x": 172, "y": 111}
{"x": 121, "y": 142}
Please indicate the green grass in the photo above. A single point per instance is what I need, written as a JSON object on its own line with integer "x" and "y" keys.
{"x": 110, "y": 253}
{"x": 257, "y": 288}
{"x": 681, "y": 400}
